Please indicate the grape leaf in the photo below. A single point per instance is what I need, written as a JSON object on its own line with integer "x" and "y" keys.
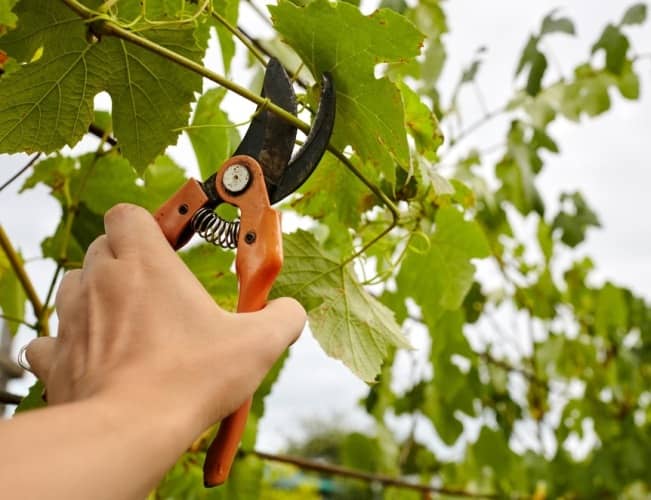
{"x": 337, "y": 38}
{"x": 12, "y": 295}
{"x": 439, "y": 278}
{"x": 98, "y": 183}
{"x": 518, "y": 167}
{"x": 421, "y": 123}
{"x": 349, "y": 323}
{"x": 616, "y": 45}
{"x": 112, "y": 171}
{"x": 50, "y": 100}
{"x": 635, "y": 14}
{"x": 333, "y": 181}
{"x": 587, "y": 93}
{"x": 212, "y": 267}
{"x": 574, "y": 223}
{"x": 551, "y": 24}
{"x": 536, "y": 61}
{"x": 213, "y": 136}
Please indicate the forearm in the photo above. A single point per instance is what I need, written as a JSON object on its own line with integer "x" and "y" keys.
{"x": 111, "y": 452}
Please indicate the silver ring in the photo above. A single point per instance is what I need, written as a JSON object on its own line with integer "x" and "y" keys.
{"x": 22, "y": 359}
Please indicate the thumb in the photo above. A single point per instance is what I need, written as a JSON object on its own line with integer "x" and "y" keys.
{"x": 281, "y": 321}
{"x": 40, "y": 353}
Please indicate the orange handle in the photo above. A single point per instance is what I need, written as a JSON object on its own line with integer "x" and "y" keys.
{"x": 258, "y": 262}
{"x": 175, "y": 214}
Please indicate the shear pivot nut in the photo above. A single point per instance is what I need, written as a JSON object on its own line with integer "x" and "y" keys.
{"x": 236, "y": 178}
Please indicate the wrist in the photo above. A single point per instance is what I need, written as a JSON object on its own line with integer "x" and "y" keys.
{"x": 158, "y": 416}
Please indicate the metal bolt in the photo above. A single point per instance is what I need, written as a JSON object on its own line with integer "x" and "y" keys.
{"x": 249, "y": 237}
{"x": 236, "y": 178}
{"x": 183, "y": 209}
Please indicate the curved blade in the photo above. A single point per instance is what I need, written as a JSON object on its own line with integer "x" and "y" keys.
{"x": 270, "y": 139}
{"x": 307, "y": 158}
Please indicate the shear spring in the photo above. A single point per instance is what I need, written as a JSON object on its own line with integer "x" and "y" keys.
{"x": 212, "y": 228}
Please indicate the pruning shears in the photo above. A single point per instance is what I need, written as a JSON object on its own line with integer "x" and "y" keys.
{"x": 261, "y": 172}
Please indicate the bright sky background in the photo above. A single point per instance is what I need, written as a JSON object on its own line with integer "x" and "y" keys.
{"x": 607, "y": 159}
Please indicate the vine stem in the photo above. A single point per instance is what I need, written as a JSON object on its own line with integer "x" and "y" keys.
{"x": 8, "y": 398}
{"x": 239, "y": 34}
{"x": 14, "y": 260}
{"x": 337, "y": 470}
{"x": 474, "y": 126}
{"x": 17, "y": 320}
{"x": 395, "y": 216}
{"x": 259, "y": 12}
{"x": 53, "y": 283}
{"x": 31, "y": 162}
{"x": 262, "y": 49}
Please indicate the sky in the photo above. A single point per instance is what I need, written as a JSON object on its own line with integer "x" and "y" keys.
{"x": 607, "y": 159}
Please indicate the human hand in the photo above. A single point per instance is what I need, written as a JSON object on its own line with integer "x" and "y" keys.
{"x": 137, "y": 329}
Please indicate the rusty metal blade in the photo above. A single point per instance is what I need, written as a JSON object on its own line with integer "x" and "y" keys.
{"x": 308, "y": 157}
{"x": 270, "y": 139}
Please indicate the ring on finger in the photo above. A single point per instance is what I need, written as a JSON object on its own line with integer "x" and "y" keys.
{"x": 23, "y": 362}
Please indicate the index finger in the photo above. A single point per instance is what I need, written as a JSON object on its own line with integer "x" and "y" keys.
{"x": 133, "y": 233}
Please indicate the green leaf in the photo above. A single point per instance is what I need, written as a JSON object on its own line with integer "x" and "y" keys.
{"x": 447, "y": 426}
{"x": 111, "y": 180}
{"x": 536, "y": 61}
{"x": 468, "y": 74}
{"x": 536, "y": 73}
{"x": 454, "y": 390}
{"x": 229, "y": 10}
{"x": 54, "y": 172}
{"x": 628, "y": 82}
{"x": 86, "y": 227}
{"x": 635, "y": 14}
{"x": 34, "y": 398}
{"x": 52, "y": 98}
{"x": 337, "y": 38}
{"x": 615, "y": 44}
{"x": 517, "y": 171}
{"x": 53, "y": 247}
{"x": 587, "y": 93}
{"x": 380, "y": 397}
{"x": 429, "y": 18}
{"x": 611, "y": 313}
{"x": 12, "y": 295}
{"x": 361, "y": 452}
{"x": 574, "y": 219}
{"x": 556, "y": 25}
{"x": 330, "y": 182}
{"x": 7, "y": 17}
{"x": 213, "y": 136}
{"x": 545, "y": 240}
{"x": 421, "y": 123}
{"x": 103, "y": 120}
{"x": 349, "y": 323}
{"x": 162, "y": 179}
{"x": 212, "y": 267}
{"x": 492, "y": 450}
{"x": 446, "y": 265}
